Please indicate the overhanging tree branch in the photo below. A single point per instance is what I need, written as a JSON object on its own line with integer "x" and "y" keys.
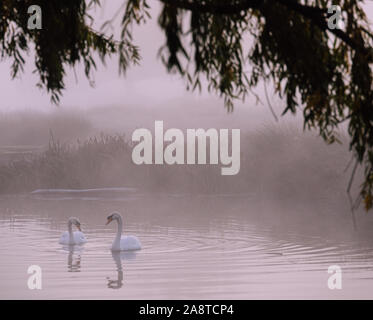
{"x": 315, "y": 14}
{"x": 234, "y": 7}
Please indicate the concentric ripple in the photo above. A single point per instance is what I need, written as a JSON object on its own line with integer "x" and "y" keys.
{"x": 201, "y": 256}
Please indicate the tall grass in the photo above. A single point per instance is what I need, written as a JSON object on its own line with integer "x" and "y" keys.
{"x": 62, "y": 165}
{"x": 283, "y": 165}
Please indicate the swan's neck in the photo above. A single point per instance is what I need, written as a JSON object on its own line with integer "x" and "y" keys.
{"x": 116, "y": 243}
{"x": 70, "y": 229}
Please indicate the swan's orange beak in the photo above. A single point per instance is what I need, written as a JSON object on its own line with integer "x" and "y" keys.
{"x": 78, "y": 227}
{"x": 108, "y": 221}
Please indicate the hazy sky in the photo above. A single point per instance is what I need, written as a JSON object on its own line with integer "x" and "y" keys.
{"x": 146, "y": 85}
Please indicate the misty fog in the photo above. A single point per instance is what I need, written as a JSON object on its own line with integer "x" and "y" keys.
{"x": 278, "y": 224}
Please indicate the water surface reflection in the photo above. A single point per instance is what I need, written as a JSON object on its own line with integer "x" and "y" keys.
{"x": 195, "y": 249}
{"x": 74, "y": 258}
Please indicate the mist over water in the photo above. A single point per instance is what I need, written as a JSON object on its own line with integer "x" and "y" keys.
{"x": 272, "y": 231}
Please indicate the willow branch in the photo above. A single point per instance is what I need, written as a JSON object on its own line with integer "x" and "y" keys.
{"x": 315, "y": 14}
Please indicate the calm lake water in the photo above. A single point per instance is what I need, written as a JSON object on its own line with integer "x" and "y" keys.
{"x": 200, "y": 248}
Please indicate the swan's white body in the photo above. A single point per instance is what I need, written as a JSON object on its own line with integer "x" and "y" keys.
{"x": 71, "y": 238}
{"x": 123, "y": 243}
{"x": 126, "y": 243}
{"x": 77, "y": 238}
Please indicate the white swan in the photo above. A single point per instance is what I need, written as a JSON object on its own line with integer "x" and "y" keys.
{"x": 69, "y": 237}
{"x": 124, "y": 243}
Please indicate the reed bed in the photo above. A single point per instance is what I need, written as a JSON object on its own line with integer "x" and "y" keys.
{"x": 276, "y": 164}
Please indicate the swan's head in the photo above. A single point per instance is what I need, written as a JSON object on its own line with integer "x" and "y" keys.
{"x": 113, "y": 216}
{"x": 76, "y": 222}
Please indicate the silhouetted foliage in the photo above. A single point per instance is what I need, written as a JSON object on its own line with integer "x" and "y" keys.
{"x": 324, "y": 72}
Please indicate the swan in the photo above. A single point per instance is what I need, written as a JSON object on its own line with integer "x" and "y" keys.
{"x": 69, "y": 237}
{"x": 124, "y": 243}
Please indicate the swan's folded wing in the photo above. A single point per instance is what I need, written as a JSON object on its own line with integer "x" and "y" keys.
{"x": 64, "y": 239}
{"x": 130, "y": 243}
{"x": 79, "y": 237}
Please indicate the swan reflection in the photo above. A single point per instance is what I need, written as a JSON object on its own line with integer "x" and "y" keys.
{"x": 74, "y": 258}
{"x": 118, "y": 257}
